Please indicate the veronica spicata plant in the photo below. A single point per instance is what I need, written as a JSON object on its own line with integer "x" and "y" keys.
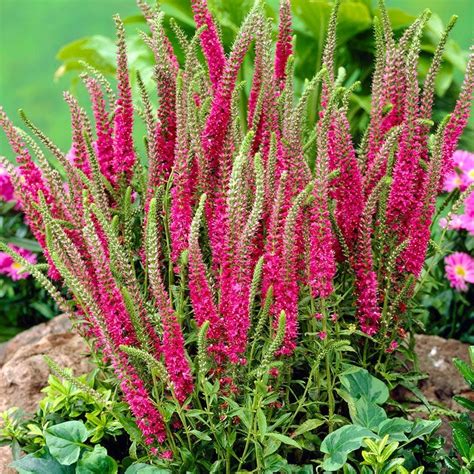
{"x": 228, "y": 274}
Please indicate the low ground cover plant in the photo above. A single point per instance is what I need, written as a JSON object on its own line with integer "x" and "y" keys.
{"x": 233, "y": 274}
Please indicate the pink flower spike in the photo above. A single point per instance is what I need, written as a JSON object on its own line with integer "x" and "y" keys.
{"x": 210, "y": 41}
{"x": 322, "y": 335}
{"x": 124, "y": 154}
{"x": 459, "y": 270}
{"x": 6, "y": 186}
{"x": 284, "y": 47}
{"x": 318, "y": 316}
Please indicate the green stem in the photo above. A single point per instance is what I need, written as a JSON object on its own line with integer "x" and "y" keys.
{"x": 251, "y": 431}
{"x": 185, "y": 426}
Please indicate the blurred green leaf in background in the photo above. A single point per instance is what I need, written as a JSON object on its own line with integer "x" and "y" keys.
{"x": 43, "y": 42}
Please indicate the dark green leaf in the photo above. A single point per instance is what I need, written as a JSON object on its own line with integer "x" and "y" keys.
{"x": 466, "y": 371}
{"x": 464, "y": 402}
{"x": 462, "y": 438}
{"x": 424, "y": 428}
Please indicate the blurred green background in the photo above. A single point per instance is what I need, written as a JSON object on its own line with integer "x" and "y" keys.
{"x": 33, "y": 31}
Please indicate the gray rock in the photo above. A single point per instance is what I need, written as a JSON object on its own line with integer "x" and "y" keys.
{"x": 24, "y": 372}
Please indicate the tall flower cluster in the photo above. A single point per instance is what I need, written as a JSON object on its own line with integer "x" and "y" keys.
{"x": 235, "y": 210}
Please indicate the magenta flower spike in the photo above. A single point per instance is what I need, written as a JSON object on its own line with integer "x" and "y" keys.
{"x": 124, "y": 154}
{"x": 104, "y": 145}
{"x": 210, "y": 41}
{"x": 459, "y": 118}
{"x": 284, "y": 46}
{"x": 181, "y": 192}
{"x": 346, "y": 187}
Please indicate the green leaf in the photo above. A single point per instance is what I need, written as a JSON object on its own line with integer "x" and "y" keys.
{"x": 64, "y": 441}
{"x": 444, "y": 77}
{"x": 275, "y": 463}
{"x": 367, "y": 414}
{"x": 399, "y": 18}
{"x": 348, "y": 469}
{"x": 129, "y": 426}
{"x": 142, "y": 468}
{"x": 200, "y": 435}
{"x": 216, "y": 467}
{"x": 43, "y": 308}
{"x": 392, "y": 465}
{"x": 262, "y": 422}
{"x": 424, "y": 428}
{"x": 313, "y": 16}
{"x": 340, "y": 443}
{"x": 98, "y": 51}
{"x": 358, "y": 382}
{"x": 395, "y": 428}
{"x": 284, "y": 439}
{"x": 271, "y": 446}
{"x": 31, "y": 464}
{"x": 96, "y": 462}
{"x": 462, "y": 438}
{"x": 308, "y": 425}
{"x": 466, "y": 371}
{"x": 24, "y": 243}
{"x": 298, "y": 469}
{"x": 464, "y": 402}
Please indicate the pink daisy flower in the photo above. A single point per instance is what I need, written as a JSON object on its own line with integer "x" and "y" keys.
{"x": 453, "y": 181}
{"x": 465, "y": 162}
{"x": 467, "y": 218}
{"x": 459, "y": 270}
{"x": 463, "y": 174}
{"x": 13, "y": 269}
{"x": 455, "y": 223}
